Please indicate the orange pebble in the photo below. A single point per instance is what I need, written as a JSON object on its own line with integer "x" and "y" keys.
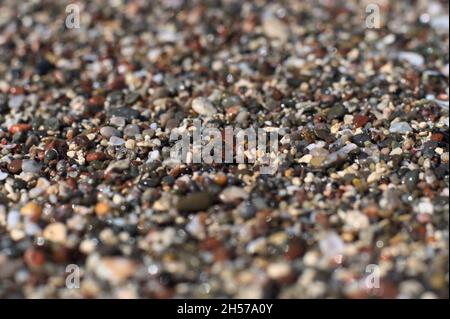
{"x": 21, "y": 127}
{"x": 102, "y": 208}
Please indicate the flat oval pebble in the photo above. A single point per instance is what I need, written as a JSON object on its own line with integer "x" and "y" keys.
{"x": 195, "y": 202}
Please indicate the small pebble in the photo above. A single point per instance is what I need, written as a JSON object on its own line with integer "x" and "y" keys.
{"x": 108, "y": 131}
{"x": 15, "y": 166}
{"x": 400, "y": 128}
{"x": 203, "y": 106}
{"x": 195, "y": 202}
{"x": 56, "y": 232}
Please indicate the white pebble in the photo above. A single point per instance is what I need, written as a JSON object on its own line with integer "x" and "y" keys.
{"x": 116, "y": 141}
{"x": 425, "y": 208}
{"x": 331, "y": 245}
{"x": 3, "y": 175}
{"x": 412, "y": 58}
{"x": 400, "y": 127}
{"x": 30, "y": 166}
{"x": 203, "y": 106}
{"x": 153, "y": 156}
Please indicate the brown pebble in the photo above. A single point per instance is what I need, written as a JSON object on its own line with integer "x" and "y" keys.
{"x": 221, "y": 179}
{"x": 83, "y": 142}
{"x": 232, "y": 111}
{"x": 371, "y": 211}
{"x": 17, "y": 90}
{"x": 97, "y": 100}
{"x": 60, "y": 254}
{"x": 71, "y": 182}
{"x": 15, "y": 166}
{"x": 277, "y": 94}
{"x": 21, "y": 127}
{"x": 59, "y": 145}
{"x": 34, "y": 257}
{"x": 360, "y": 120}
{"x": 295, "y": 249}
{"x": 437, "y": 137}
{"x": 95, "y": 156}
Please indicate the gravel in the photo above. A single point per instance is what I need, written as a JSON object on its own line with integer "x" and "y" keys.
{"x": 86, "y": 177}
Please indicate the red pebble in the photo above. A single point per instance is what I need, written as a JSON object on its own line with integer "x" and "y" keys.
{"x": 21, "y": 127}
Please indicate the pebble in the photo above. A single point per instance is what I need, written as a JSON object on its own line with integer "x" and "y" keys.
{"x": 396, "y": 151}
{"x": 56, "y": 232}
{"x": 16, "y": 101}
{"x": 413, "y": 58}
{"x": 130, "y": 144}
{"x": 440, "y": 23}
{"x": 131, "y": 130}
{"x": 278, "y": 270}
{"x": 3, "y": 175}
{"x": 425, "y": 208}
{"x": 15, "y": 166}
{"x": 13, "y": 219}
{"x": 275, "y": 29}
{"x": 96, "y": 156}
{"x": 400, "y": 128}
{"x": 102, "y": 208}
{"x": 34, "y": 257}
{"x": 108, "y": 131}
{"x": 203, "y": 106}
{"x": 233, "y": 193}
{"x": 336, "y": 112}
{"x": 43, "y": 66}
{"x": 115, "y": 269}
{"x": 153, "y": 156}
{"x": 83, "y": 142}
{"x": 195, "y": 202}
{"x": 361, "y": 139}
{"x": 31, "y": 166}
{"x": 32, "y": 210}
{"x": 411, "y": 178}
{"x": 221, "y": 179}
{"x": 18, "y": 128}
{"x": 125, "y": 112}
{"x": 331, "y": 245}
{"x": 117, "y": 121}
{"x": 360, "y": 120}
{"x": 247, "y": 210}
{"x": 116, "y": 141}
{"x": 19, "y": 183}
{"x": 196, "y": 226}
{"x": 306, "y": 158}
